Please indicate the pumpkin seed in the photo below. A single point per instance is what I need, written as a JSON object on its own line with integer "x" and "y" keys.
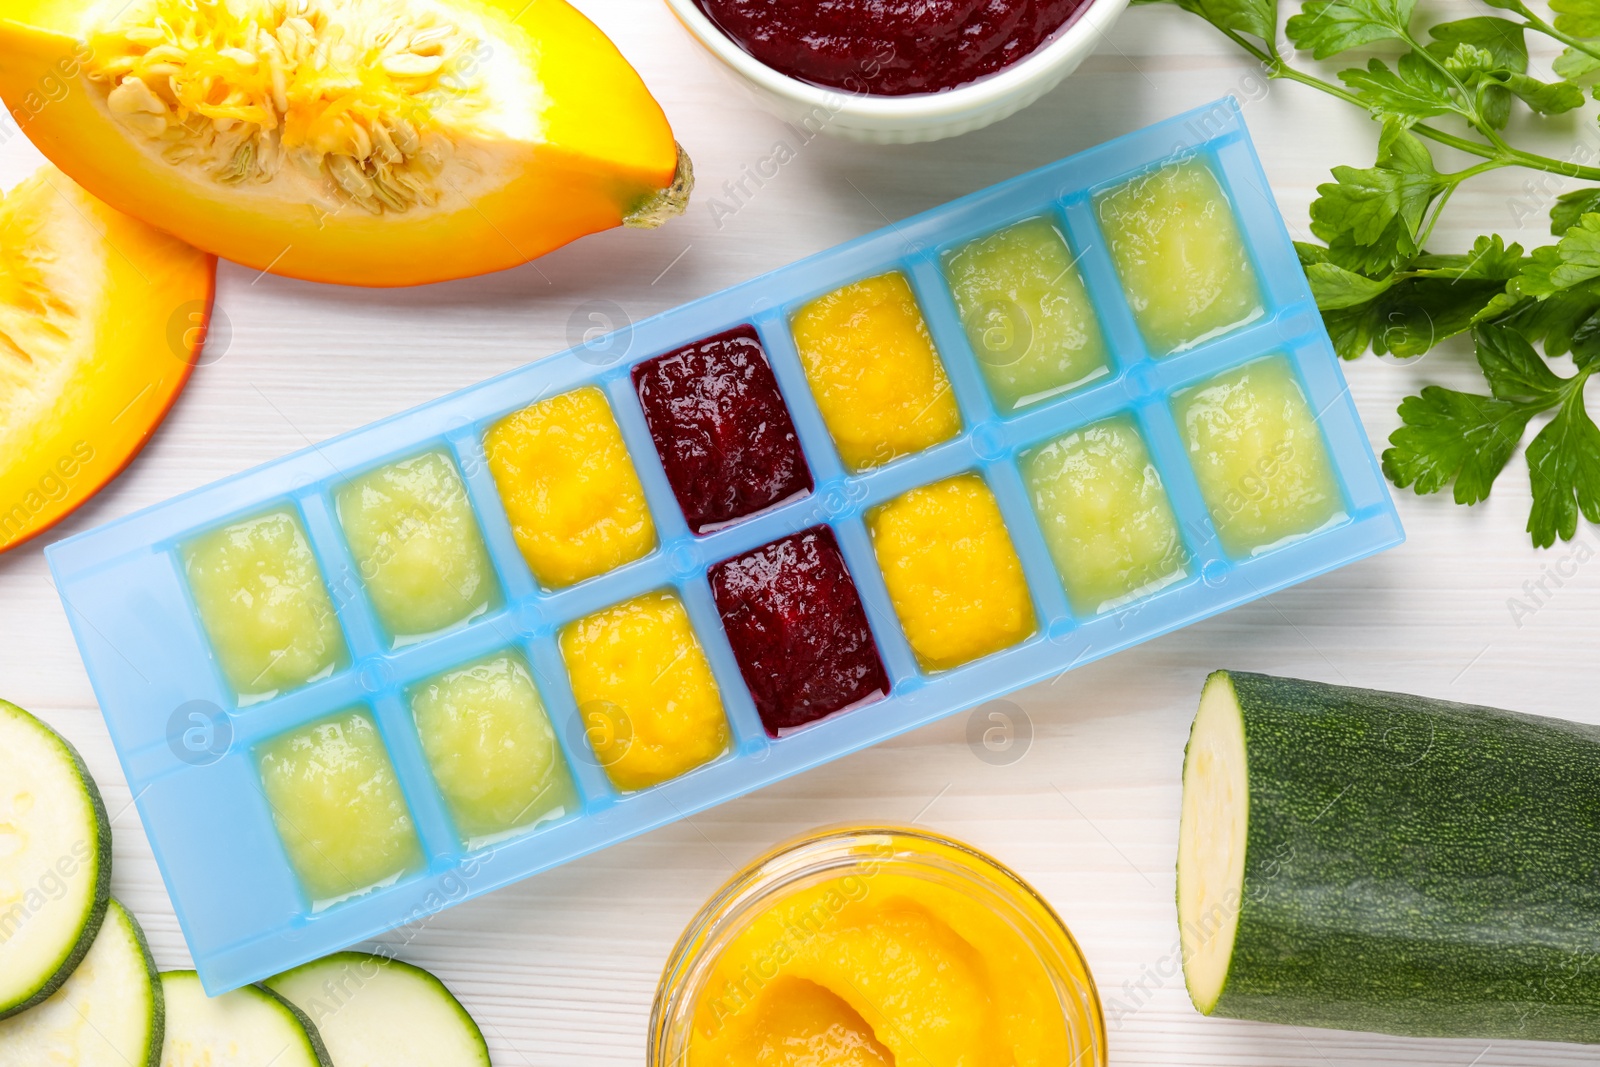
{"x": 378, "y": 143}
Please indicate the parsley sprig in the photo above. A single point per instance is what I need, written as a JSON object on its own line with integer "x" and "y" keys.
{"x": 1379, "y": 288}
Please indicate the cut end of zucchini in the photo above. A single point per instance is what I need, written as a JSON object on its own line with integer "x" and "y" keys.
{"x": 1211, "y": 841}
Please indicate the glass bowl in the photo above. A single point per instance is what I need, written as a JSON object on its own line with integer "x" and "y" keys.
{"x": 867, "y": 850}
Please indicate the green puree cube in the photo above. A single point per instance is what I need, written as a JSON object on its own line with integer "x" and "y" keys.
{"x": 492, "y": 749}
{"x": 417, "y": 545}
{"x": 1026, "y": 313}
{"x": 264, "y": 605}
{"x": 1261, "y": 462}
{"x": 338, "y": 807}
{"x": 1105, "y": 515}
{"x": 1183, "y": 263}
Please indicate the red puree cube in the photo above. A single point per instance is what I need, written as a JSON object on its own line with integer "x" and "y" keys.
{"x": 722, "y": 429}
{"x": 798, "y": 630}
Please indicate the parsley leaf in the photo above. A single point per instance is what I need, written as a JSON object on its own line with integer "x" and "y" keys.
{"x": 1574, "y": 259}
{"x": 1493, "y": 102}
{"x": 1452, "y": 436}
{"x": 1258, "y": 18}
{"x": 1327, "y": 27}
{"x": 1448, "y": 436}
{"x": 1409, "y": 312}
{"x": 1501, "y": 38}
{"x": 1560, "y": 322}
{"x": 1409, "y": 318}
{"x": 1491, "y": 259}
{"x": 1580, "y": 18}
{"x": 1334, "y": 287}
{"x": 1585, "y": 340}
{"x": 1465, "y": 60}
{"x": 1514, "y": 370}
{"x": 1422, "y": 312}
{"x": 1570, "y": 207}
{"x": 1574, "y": 64}
{"x": 1491, "y": 55}
{"x": 1547, "y": 98}
{"x": 1350, "y": 330}
{"x": 1417, "y": 91}
{"x": 1564, "y": 469}
{"x": 1555, "y": 298}
{"x": 1369, "y": 217}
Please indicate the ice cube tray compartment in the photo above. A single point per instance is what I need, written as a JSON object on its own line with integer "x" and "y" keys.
{"x": 241, "y": 908}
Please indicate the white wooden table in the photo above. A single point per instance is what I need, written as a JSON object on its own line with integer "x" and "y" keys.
{"x": 561, "y": 969}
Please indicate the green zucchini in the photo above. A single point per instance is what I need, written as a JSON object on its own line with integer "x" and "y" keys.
{"x": 249, "y": 1027}
{"x": 1371, "y": 861}
{"x": 55, "y": 860}
{"x": 373, "y": 1011}
{"x": 108, "y": 1014}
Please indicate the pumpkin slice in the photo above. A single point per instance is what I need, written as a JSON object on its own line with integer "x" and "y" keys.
{"x": 101, "y": 322}
{"x": 362, "y": 142}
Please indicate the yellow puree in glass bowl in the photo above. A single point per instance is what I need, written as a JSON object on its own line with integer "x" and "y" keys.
{"x": 878, "y": 967}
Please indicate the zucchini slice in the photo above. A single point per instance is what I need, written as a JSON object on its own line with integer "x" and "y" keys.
{"x": 378, "y": 1012}
{"x": 1372, "y": 861}
{"x": 55, "y": 860}
{"x": 108, "y": 1014}
{"x": 249, "y": 1027}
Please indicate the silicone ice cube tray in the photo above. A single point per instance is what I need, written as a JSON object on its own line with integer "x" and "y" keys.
{"x": 186, "y": 744}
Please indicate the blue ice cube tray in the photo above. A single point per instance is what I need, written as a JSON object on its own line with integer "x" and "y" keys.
{"x": 241, "y": 908}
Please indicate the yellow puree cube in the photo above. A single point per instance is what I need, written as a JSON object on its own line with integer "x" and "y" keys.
{"x": 952, "y": 572}
{"x": 645, "y": 690}
{"x": 874, "y": 372}
{"x": 569, "y": 487}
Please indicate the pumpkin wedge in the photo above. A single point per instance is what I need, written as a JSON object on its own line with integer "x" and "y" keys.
{"x": 361, "y": 142}
{"x": 102, "y": 319}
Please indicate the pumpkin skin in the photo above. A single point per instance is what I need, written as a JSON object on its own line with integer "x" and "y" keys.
{"x": 545, "y": 132}
{"x": 102, "y": 320}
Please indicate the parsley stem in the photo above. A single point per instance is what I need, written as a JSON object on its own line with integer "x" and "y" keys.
{"x": 1468, "y": 107}
{"x": 1553, "y": 166}
{"x": 1422, "y": 129}
{"x": 1454, "y": 179}
{"x": 1275, "y": 66}
{"x": 1474, "y": 148}
{"x": 1548, "y": 30}
{"x": 1457, "y": 177}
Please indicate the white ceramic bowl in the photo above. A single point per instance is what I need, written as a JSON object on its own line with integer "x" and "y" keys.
{"x": 922, "y": 117}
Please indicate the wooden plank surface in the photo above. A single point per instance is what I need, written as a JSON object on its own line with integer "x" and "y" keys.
{"x": 561, "y": 969}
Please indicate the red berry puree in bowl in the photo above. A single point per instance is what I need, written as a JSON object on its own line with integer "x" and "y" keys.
{"x": 889, "y": 47}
